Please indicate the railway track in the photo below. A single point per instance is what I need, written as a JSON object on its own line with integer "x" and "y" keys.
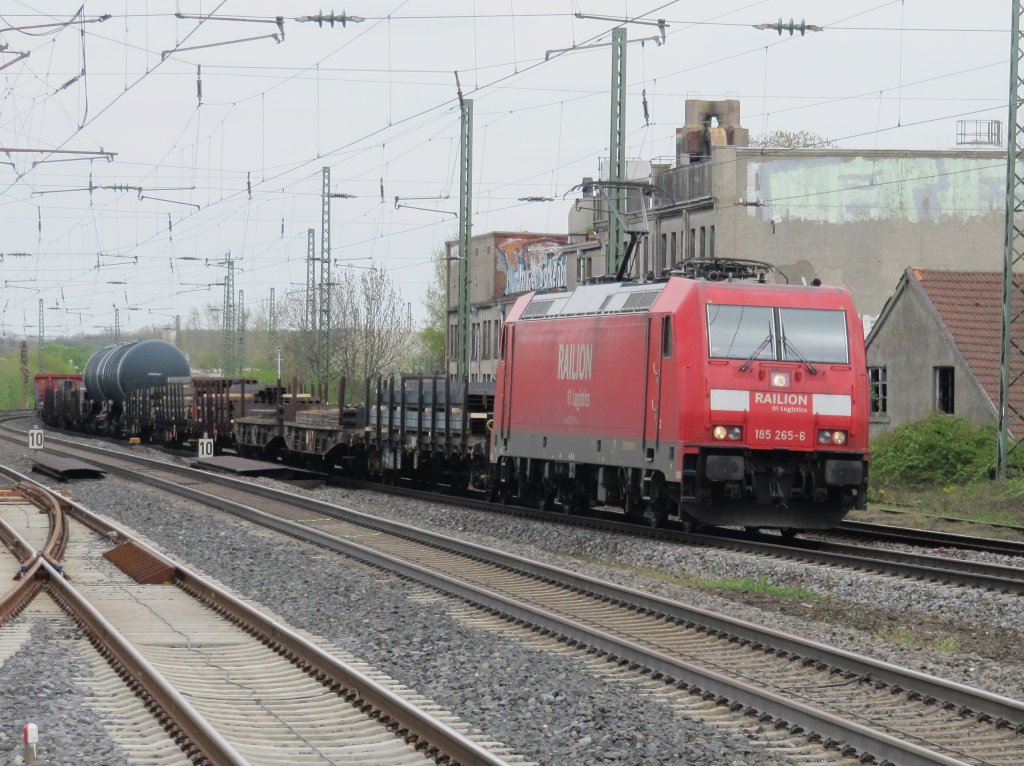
{"x": 852, "y": 545}
{"x": 929, "y": 539}
{"x": 865, "y": 707}
{"x": 229, "y": 684}
{"x": 928, "y": 567}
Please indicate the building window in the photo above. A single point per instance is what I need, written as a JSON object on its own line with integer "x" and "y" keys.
{"x": 703, "y": 244}
{"x": 879, "y": 390}
{"x": 944, "y": 389}
{"x": 691, "y": 253}
{"x": 711, "y": 241}
{"x": 584, "y": 270}
{"x": 664, "y": 251}
{"x": 672, "y": 251}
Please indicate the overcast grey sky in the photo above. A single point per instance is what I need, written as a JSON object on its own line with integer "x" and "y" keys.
{"x": 376, "y": 101}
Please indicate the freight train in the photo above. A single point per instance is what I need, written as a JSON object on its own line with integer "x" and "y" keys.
{"x": 701, "y": 397}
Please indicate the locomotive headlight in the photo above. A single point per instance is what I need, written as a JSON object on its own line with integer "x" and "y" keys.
{"x": 826, "y": 436}
{"x": 732, "y": 433}
{"x": 780, "y": 380}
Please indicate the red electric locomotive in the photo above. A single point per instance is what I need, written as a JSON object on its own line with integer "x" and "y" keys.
{"x": 699, "y": 398}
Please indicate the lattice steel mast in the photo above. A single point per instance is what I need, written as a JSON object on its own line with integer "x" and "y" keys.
{"x": 617, "y": 153}
{"x": 1011, "y": 377}
{"x": 323, "y": 351}
{"x": 465, "y": 233}
{"x": 228, "y": 318}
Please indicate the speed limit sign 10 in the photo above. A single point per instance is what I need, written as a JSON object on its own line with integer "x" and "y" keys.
{"x": 35, "y": 438}
{"x": 206, "y": 448}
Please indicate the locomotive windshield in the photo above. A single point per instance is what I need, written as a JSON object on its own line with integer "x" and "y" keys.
{"x": 781, "y": 334}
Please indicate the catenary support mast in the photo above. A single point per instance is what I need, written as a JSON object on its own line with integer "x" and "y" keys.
{"x": 1011, "y": 377}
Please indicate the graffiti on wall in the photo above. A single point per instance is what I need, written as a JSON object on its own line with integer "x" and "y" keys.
{"x": 849, "y": 189}
{"x": 530, "y": 264}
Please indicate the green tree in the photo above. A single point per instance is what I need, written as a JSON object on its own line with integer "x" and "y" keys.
{"x": 792, "y": 139}
{"x": 433, "y": 333}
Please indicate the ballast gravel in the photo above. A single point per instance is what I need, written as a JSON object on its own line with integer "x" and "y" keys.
{"x": 544, "y": 706}
{"x": 38, "y": 685}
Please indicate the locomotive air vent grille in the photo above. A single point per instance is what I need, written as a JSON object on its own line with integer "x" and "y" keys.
{"x": 640, "y": 301}
{"x": 622, "y": 302}
{"x": 537, "y": 309}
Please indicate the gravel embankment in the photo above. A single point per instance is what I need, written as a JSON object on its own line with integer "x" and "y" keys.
{"x": 561, "y": 714}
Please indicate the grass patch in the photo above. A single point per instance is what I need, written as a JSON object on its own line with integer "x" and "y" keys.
{"x": 983, "y": 502}
{"x": 904, "y": 636}
{"x": 761, "y": 585}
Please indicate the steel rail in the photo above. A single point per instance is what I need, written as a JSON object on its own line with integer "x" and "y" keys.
{"x": 931, "y": 538}
{"x": 969, "y": 701}
{"x": 14, "y": 601}
{"x": 745, "y": 631}
{"x": 896, "y": 563}
{"x": 204, "y": 741}
{"x": 395, "y": 712}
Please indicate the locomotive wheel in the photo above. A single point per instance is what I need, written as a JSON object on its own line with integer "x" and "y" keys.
{"x": 655, "y": 516}
{"x": 547, "y": 500}
{"x": 789, "y": 533}
{"x": 635, "y": 506}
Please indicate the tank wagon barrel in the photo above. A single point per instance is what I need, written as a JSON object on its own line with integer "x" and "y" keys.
{"x": 114, "y": 373}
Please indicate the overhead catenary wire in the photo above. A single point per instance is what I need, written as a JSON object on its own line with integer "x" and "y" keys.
{"x": 225, "y": 169}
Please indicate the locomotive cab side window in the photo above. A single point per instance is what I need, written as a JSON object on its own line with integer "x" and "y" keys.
{"x": 779, "y": 334}
{"x": 666, "y": 337}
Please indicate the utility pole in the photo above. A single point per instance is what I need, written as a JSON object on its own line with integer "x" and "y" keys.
{"x": 24, "y": 373}
{"x": 42, "y": 333}
{"x": 177, "y": 330}
{"x": 228, "y": 318}
{"x": 617, "y": 153}
{"x": 241, "y": 332}
{"x": 323, "y": 353}
{"x": 465, "y": 233}
{"x": 117, "y": 325}
{"x": 311, "y": 280}
{"x": 1011, "y": 369}
{"x": 273, "y": 315}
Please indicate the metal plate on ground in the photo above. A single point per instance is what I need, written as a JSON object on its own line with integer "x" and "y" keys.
{"x": 65, "y": 468}
{"x": 245, "y": 467}
{"x": 140, "y": 564}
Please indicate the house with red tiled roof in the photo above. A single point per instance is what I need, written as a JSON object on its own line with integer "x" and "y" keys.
{"x": 936, "y": 347}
